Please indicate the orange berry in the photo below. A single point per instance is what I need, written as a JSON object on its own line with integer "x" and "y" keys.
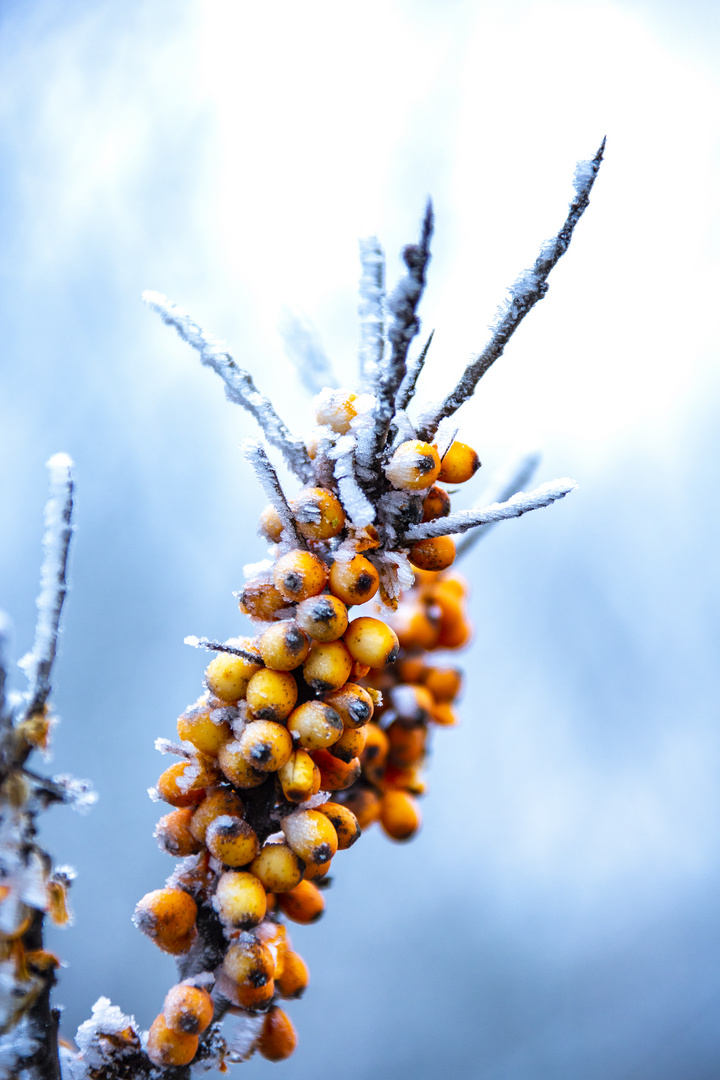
{"x": 436, "y": 553}
{"x": 278, "y": 867}
{"x": 198, "y": 726}
{"x": 443, "y": 683}
{"x": 270, "y": 526}
{"x": 277, "y": 1038}
{"x": 184, "y": 783}
{"x": 315, "y": 725}
{"x": 271, "y": 695}
{"x": 219, "y": 802}
{"x": 444, "y": 714}
{"x": 167, "y": 916}
{"x": 371, "y": 642}
{"x": 411, "y": 669}
{"x": 336, "y": 775}
{"x": 249, "y": 961}
{"x": 459, "y": 464}
{"x": 414, "y": 466}
{"x": 364, "y": 804}
{"x": 303, "y": 904}
{"x": 335, "y": 409}
{"x": 327, "y": 667}
{"x": 323, "y": 617}
{"x": 299, "y": 777}
{"x": 374, "y": 756}
{"x": 404, "y": 778}
{"x": 261, "y": 600}
{"x": 354, "y": 581}
{"x": 358, "y": 671}
{"x": 231, "y": 841}
{"x": 188, "y": 1009}
{"x": 236, "y": 767}
{"x": 294, "y": 978}
{"x": 167, "y": 1048}
{"x": 399, "y": 815}
{"x": 343, "y": 821}
{"x": 173, "y": 835}
{"x": 299, "y": 574}
{"x": 407, "y": 742}
{"x": 413, "y": 704}
{"x": 436, "y": 504}
{"x": 318, "y": 513}
{"x": 350, "y": 744}
{"x": 283, "y": 646}
{"x": 415, "y": 627}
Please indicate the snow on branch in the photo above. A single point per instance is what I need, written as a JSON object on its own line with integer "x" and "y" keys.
{"x": 239, "y": 385}
{"x": 357, "y": 506}
{"x": 38, "y": 663}
{"x": 302, "y": 345}
{"x": 403, "y": 327}
{"x": 268, "y": 478}
{"x": 510, "y": 478}
{"x": 407, "y": 386}
{"x": 371, "y": 309}
{"x": 530, "y": 287}
{"x": 223, "y": 646}
{"x": 515, "y": 507}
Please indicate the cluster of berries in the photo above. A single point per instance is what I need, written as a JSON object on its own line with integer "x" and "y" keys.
{"x": 286, "y": 721}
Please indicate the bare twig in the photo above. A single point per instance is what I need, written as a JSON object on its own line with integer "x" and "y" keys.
{"x": 530, "y": 287}
{"x": 239, "y": 385}
{"x": 53, "y": 582}
{"x": 512, "y": 478}
{"x": 515, "y": 507}
{"x": 407, "y": 387}
{"x": 371, "y": 311}
{"x": 268, "y": 478}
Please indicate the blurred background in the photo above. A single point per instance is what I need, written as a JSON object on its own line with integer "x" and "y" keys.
{"x": 559, "y": 914}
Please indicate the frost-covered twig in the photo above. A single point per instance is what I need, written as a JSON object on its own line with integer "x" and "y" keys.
{"x": 516, "y": 506}
{"x": 407, "y": 386}
{"x": 357, "y": 506}
{"x": 371, "y": 311}
{"x": 403, "y": 327}
{"x": 53, "y": 582}
{"x": 511, "y": 478}
{"x": 303, "y": 347}
{"x": 223, "y": 646}
{"x": 268, "y": 478}
{"x": 530, "y": 287}
{"x": 239, "y": 385}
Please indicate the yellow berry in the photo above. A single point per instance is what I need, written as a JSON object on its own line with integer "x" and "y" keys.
{"x": 343, "y": 821}
{"x": 278, "y": 867}
{"x": 459, "y": 463}
{"x": 284, "y": 646}
{"x": 167, "y": 1048}
{"x": 271, "y": 695}
{"x": 219, "y": 802}
{"x": 335, "y": 409}
{"x": 350, "y": 744}
{"x": 265, "y": 745}
{"x": 299, "y": 574}
{"x": 435, "y": 553}
{"x": 184, "y": 783}
{"x": 303, "y": 904}
{"x": 249, "y": 961}
{"x": 299, "y": 777}
{"x": 188, "y": 1009}
{"x": 327, "y": 667}
{"x": 354, "y": 581}
{"x": 323, "y": 617}
{"x": 197, "y": 726}
{"x": 240, "y": 899}
{"x": 371, "y": 641}
{"x": 353, "y": 703}
{"x": 399, "y": 815}
{"x": 414, "y": 466}
{"x": 315, "y": 725}
{"x": 336, "y": 775}
{"x": 311, "y": 836}
{"x": 231, "y": 840}
{"x": 227, "y": 676}
{"x": 236, "y": 768}
{"x": 318, "y": 513}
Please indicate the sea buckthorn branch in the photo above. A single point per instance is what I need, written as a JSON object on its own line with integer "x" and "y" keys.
{"x": 371, "y": 310}
{"x": 529, "y": 287}
{"x": 406, "y": 389}
{"x": 270, "y": 484}
{"x": 239, "y": 385}
{"x": 30, "y": 888}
